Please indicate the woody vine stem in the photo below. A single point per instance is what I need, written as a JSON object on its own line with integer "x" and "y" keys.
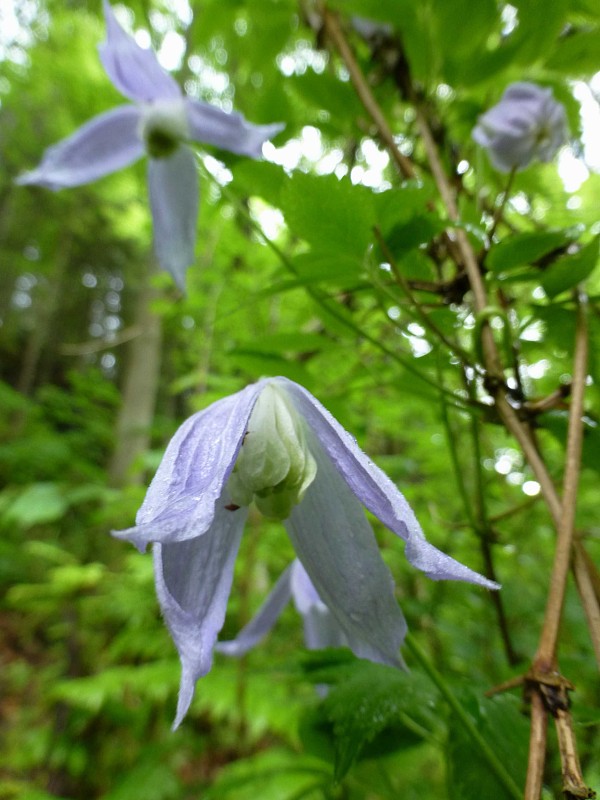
{"x": 546, "y": 688}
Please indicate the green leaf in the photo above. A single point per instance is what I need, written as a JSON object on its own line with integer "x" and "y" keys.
{"x": 147, "y": 779}
{"x": 38, "y": 504}
{"x": 571, "y": 270}
{"x": 576, "y": 53}
{"x": 539, "y": 25}
{"x": 274, "y": 774}
{"x": 369, "y": 699}
{"x": 557, "y": 423}
{"x": 524, "y": 248}
{"x": 334, "y": 216}
{"x": 259, "y": 179}
{"x": 500, "y": 722}
{"x": 463, "y": 27}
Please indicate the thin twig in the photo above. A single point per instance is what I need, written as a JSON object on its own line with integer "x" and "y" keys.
{"x": 363, "y": 90}
{"x": 416, "y": 306}
{"x": 493, "y": 762}
{"x": 500, "y": 209}
{"x": 537, "y": 748}
{"x": 589, "y": 591}
{"x": 546, "y": 653}
{"x": 545, "y": 662}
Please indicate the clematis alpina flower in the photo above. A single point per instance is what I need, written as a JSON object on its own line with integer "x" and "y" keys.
{"x": 320, "y": 627}
{"x": 160, "y": 122}
{"x": 275, "y": 445}
{"x": 526, "y": 124}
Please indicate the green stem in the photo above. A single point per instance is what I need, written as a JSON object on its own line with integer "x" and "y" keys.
{"x": 486, "y": 752}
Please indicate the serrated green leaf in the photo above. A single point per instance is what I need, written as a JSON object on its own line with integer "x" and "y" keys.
{"x": 373, "y": 698}
{"x": 333, "y": 215}
{"x": 276, "y": 774}
{"x": 571, "y": 270}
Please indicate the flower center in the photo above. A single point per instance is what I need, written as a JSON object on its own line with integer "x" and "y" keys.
{"x": 275, "y": 466}
{"x": 163, "y": 126}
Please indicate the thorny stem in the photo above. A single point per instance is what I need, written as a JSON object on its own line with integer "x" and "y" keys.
{"x": 494, "y": 763}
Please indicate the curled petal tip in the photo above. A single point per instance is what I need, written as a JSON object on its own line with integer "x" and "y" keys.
{"x": 134, "y": 536}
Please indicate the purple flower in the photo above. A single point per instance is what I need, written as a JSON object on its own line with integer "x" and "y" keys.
{"x": 320, "y": 626}
{"x": 159, "y": 123}
{"x": 526, "y": 124}
{"x": 275, "y": 445}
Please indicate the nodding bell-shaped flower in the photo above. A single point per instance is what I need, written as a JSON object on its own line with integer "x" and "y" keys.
{"x": 159, "y": 123}
{"x": 275, "y": 445}
{"x": 527, "y": 124}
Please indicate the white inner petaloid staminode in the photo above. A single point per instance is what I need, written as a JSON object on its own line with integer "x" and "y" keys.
{"x": 163, "y": 125}
{"x": 274, "y": 467}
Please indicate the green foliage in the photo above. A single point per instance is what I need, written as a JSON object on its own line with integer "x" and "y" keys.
{"x": 370, "y": 710}
{"x": 323, "y": 263}
{"x": 501, "y": 722}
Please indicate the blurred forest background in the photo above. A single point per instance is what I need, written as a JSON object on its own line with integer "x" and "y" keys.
{"x": 327, "y": 264}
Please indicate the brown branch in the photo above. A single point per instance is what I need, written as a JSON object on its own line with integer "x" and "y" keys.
{"x": 587, "y": 579}
{"x": 546, "y": 654}
{"x": 537, "y": 748}
{"x": 333, "y": 30}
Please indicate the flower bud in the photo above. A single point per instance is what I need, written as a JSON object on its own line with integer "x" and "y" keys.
{"x": 526, "y": 124}
{"x": 274, "y": 466}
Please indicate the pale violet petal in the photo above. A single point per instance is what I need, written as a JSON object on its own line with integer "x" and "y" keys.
{"x": 193, "y": 581}
{"x": 227, "y": 130}
{"x": 173, "y": 185}
{"x": 266, "y": 617}
{"x": 304, "y": 594}
{"x": 337, "y": 547}
{"x": 103, "y": 145}
{"x": 320, "y": 627}
{"x": 133, "y": 70}
{"x": 376, "y": 491}
{"x": 186, "y": 492}
{"x": 322, "y": 630}
{"x": 527, "y": 123}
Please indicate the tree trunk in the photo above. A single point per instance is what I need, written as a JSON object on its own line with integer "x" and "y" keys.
{"x": 140, "y": 386}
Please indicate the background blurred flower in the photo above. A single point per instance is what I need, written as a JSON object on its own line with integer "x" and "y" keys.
{"x": 301, "y": 466}
{"x": 527, "y": 124}
{"x": 159, "y": 124}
